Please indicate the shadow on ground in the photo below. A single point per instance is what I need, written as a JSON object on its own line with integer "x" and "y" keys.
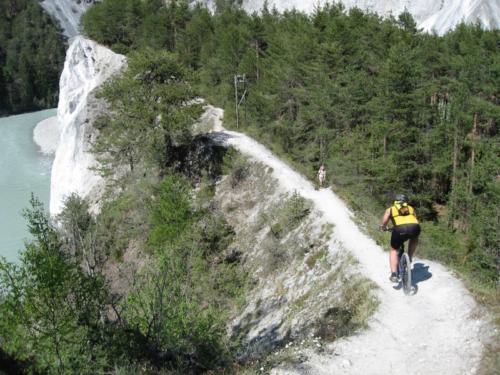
{"x": 420, "y": 272}
{"x": 219, "y": 137}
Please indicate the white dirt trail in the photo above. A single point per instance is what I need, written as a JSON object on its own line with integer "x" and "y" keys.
{"x": 439, "y": 330}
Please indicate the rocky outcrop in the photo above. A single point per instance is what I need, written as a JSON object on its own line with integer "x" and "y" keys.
{"x": 87, "y": 66}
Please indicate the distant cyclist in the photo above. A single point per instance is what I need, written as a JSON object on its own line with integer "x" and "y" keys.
{"x": 406, "y": 227}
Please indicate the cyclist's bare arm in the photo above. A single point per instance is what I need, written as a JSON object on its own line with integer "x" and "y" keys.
{"x": 385, "y": 219}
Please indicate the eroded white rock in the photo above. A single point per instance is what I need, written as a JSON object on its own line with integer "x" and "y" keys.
{"x": 68, "y": 13}
{"x": 87, "y": 66}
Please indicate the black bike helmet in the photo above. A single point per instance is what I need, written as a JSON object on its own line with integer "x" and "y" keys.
{"x": 401, "y": 198}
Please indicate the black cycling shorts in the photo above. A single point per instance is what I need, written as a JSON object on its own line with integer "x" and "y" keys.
{"x": 402, "y": 233}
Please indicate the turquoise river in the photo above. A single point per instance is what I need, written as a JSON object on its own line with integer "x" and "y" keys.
{"x": 23, "y": 170}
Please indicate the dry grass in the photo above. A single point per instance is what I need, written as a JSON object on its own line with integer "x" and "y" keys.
{"x": 314, "y": 258}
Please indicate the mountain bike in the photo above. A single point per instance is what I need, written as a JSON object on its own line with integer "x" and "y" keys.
{"x": 404, "y": 269}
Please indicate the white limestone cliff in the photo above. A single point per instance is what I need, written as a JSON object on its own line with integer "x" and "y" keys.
{"x": 68, "y": 13}
{"x": 87, "y": 66}
{"x": 430, "y": 15}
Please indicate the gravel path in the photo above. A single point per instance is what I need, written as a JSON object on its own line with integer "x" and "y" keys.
{"x": 439, "y": 330}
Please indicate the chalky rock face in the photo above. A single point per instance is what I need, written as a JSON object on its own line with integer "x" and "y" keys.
{"x": 484, "y": 12}
{"x": 87, "y": 66}
{"x": 431, "y": 15}
{"x": 68, "y": 13}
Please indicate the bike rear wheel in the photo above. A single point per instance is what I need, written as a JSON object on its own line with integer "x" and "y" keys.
{"x": 405, "y": 267}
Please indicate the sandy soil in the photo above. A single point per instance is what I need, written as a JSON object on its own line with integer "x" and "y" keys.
{"x": 439, "y": 330}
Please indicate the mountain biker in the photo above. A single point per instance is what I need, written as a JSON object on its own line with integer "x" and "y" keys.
{"x": 405, "y": 227}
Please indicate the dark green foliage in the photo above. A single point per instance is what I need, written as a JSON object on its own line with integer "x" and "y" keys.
{"x": 113, "y": 22}
{"x": 170, "y": 212}
{"x": 76, "y": 220}
{"x": 127, "y": 25}
{"x": 179, "y": 304}
{"x": 152, "y": 113}
{"x": 31, "y": 57}
{"x": 51, "y": 311}
{"x": 58, "y": 314}
{"x": 122, "y": 219}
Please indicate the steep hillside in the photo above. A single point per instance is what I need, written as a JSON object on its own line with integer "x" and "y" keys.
{"x": 303, "y": 283}
{"x": 439, "y": 330}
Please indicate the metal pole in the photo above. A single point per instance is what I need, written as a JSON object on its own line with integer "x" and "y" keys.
{"x": 236, "y": 100}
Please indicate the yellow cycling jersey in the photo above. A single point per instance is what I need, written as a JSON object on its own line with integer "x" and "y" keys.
{"x": 399, "y": 219}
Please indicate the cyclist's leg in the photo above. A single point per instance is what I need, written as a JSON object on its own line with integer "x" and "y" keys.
{"x": 412, "y": 247}
{"x": 393, "y": 260}
{"x": 396, "y": 242}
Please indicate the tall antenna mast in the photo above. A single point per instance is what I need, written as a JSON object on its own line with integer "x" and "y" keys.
{"x": 239, "y": 80}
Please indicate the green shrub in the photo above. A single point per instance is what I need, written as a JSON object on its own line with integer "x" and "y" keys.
{"x": 50, "y": 309}
{"x": 171, "y": 211}
{"x": 296, "y": 208}
{"x": 287, "y": 215}
{"x": 277, "y": 229}
{"x": 179, "y": 303}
